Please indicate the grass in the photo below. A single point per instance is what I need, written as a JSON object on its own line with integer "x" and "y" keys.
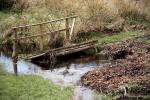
{"x": 135, "y": 86}
{"x": 92, "y": 14}
{"x": 105, "y": 38}
{"x": 4, "y": 14}
{"x": 139, "y": 21}
{"x": 29, "y": 87}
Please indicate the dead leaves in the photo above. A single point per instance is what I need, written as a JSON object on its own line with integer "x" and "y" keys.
{"x": 134, "y": 68}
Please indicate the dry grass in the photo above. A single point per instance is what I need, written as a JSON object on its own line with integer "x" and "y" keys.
{"x": 93, "y": 14}
{"x": 132, "y": 9}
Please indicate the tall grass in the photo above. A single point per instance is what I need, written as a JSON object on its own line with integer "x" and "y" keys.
{"x": 135, "y": 10}
{"x": 93, "y": 14}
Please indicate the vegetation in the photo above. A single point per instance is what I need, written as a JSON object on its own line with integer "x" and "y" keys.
{"x": 107, "y": 21}
{"x": 104, "y": 39}
{"x": 122, "y": 36}
{"x": 30, "y": 87}
{"x": 92, "y": 14}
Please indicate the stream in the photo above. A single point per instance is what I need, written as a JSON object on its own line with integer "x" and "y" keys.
{"x": 67, "y": 73}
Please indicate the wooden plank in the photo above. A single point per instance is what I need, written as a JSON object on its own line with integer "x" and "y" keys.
{"x": 63, "y": 52}
{"x": 73, "y": 49}
{"x": 25, "y": 26}
{"x": 76, "y": 47}
{"x": 62, "y": 48}
{"x": 35, "y": 56}
{"x": 66, "y": 50}
{"x": 83, "y": 43}
{"x": 76, "y": 50}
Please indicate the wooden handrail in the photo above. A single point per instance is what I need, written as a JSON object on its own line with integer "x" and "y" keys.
{"x": 15, "y": 38}
{"x": 25, "y": 26}
{"x": 38, "y": 35}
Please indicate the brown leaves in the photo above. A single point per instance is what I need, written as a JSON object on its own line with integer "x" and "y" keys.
{"x": 135, "y": 68}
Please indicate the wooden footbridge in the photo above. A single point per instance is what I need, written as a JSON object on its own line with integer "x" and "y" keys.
{"x": 42, "y": 35}
{"x": 66, "y": 50}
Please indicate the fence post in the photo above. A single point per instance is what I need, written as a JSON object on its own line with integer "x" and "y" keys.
{"x": 15, "y": 54}
{"x": 67, "y": 32}
{"x": 72, "y": 29}
{"x": 41, "y": 39}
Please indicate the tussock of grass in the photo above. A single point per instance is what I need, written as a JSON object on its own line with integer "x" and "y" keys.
{"x": 30, "y": 88}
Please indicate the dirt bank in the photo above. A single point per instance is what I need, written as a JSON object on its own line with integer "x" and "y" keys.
{"x": 131, "y": 68}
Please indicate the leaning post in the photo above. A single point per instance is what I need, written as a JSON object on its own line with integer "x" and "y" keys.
{"x": 15, "y": 54}
{"x": 72, "y": 28}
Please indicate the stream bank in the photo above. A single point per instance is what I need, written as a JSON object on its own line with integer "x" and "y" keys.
{"x": 128, "y": 74}
{"x": 30, "y": 87}
{"x": 67, "y": 73}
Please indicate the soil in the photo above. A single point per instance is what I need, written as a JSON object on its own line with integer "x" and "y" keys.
{"x": 131, "y": 67}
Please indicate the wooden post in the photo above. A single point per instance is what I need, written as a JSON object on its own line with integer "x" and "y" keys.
{"x": 41, "y": 39}
{"x": 15, "y": 54}
{"x": 67, "y": 32}
{"x": 72, "y": 28}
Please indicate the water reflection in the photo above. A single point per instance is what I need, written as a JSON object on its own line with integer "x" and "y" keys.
{"x": 23, "y": 66}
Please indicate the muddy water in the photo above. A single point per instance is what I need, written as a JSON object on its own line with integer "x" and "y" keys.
{"x": 67, "y": 74}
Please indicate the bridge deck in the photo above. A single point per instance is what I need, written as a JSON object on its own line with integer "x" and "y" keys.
{"x": 67, "y": 50}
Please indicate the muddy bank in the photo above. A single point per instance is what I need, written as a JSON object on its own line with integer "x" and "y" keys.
{"x": 129, "y": 73}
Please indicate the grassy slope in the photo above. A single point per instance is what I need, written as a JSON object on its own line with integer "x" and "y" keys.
{"x": 30, "y": 88}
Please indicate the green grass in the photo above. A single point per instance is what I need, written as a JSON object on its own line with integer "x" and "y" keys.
{"x": 138, "y": 21}
{"x": 29, "y": 87}
{"x": 105, "y": 39}
{"x": 5, "y": 14}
